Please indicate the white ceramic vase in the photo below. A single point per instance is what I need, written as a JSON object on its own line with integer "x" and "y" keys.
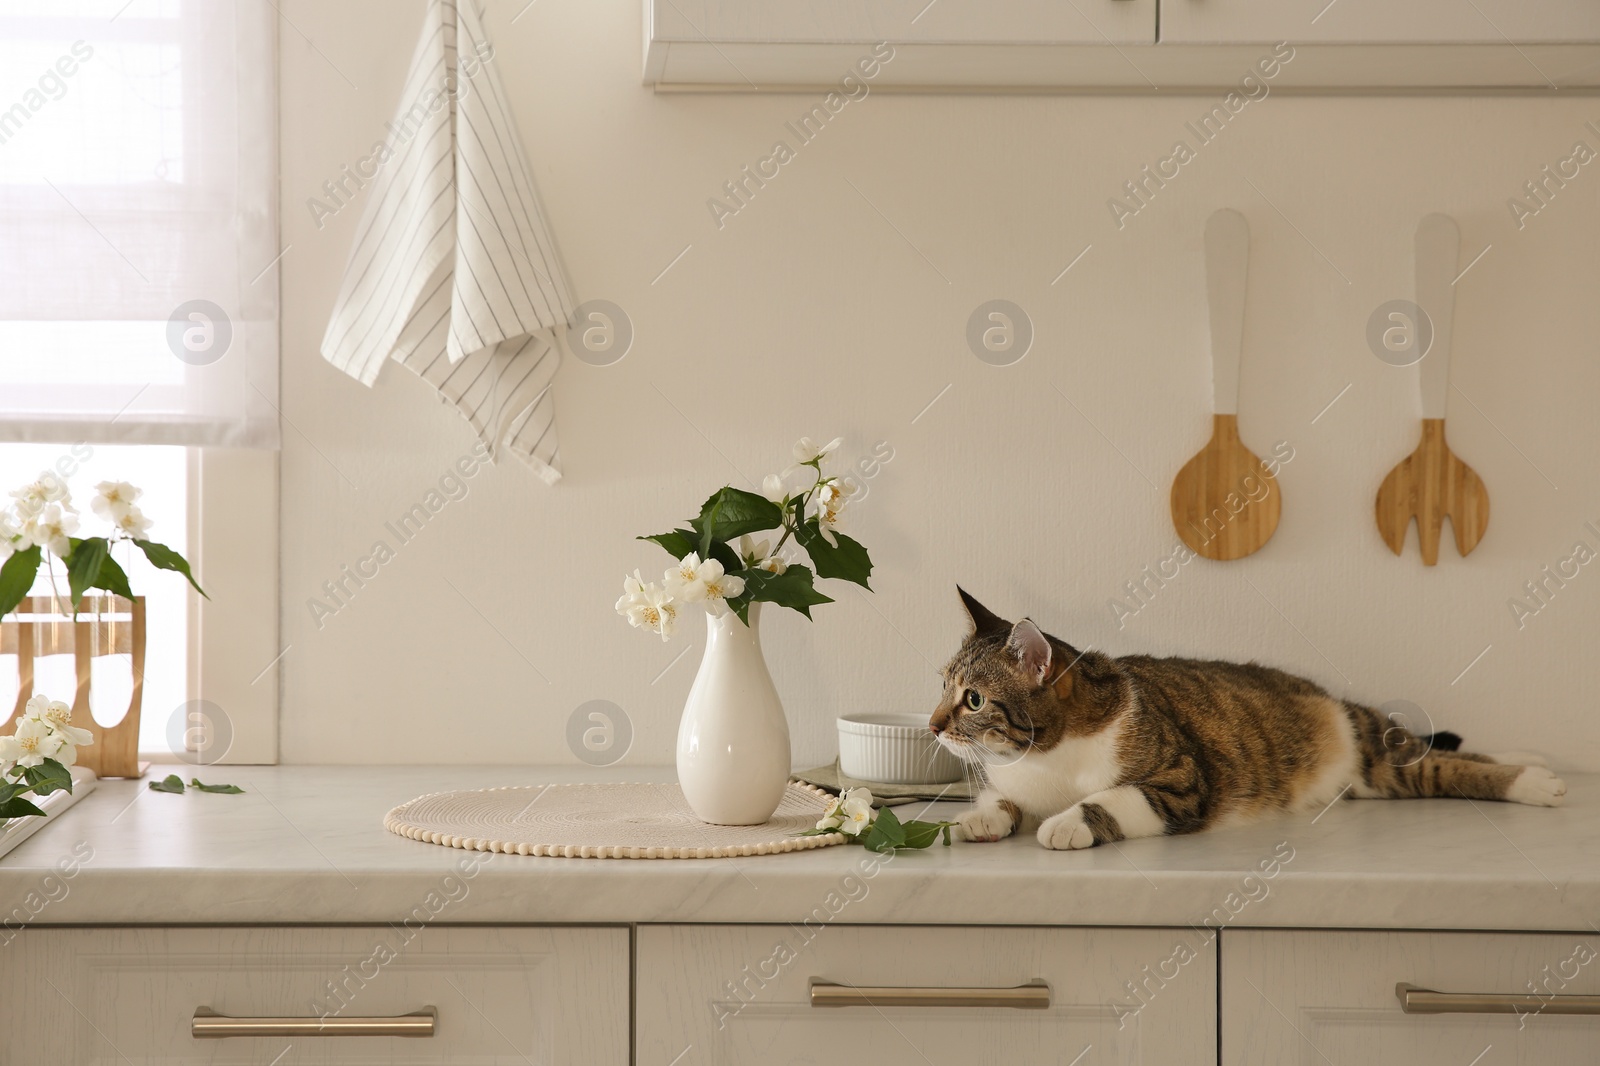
{"x": 733, "y": 742}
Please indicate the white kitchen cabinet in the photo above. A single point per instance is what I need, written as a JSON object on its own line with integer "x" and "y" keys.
{"x": 499, "y": 995}
{"x": 748, "y": 45}
{"x": 911, "y": 21}
{"x": 1315, "y": 996}
{"x": 748, "y": 995}
{"x": 1304, "y": 22}
{"x": 1141, "y": 46}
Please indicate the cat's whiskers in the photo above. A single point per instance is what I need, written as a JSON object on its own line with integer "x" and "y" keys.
{"x": 977, "y": 775}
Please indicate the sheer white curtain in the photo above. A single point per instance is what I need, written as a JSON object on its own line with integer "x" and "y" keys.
{"x": 138, "y": 223}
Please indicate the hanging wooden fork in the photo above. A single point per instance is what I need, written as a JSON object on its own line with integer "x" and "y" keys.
{"x": 1431, "y": 484}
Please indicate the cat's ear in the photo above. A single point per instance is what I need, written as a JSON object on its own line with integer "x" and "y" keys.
{"x": 983, "y": 620}
{"x": 1032, "y": 650}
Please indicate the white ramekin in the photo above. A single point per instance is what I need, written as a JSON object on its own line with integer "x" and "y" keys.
{"x": 896, "y": 749}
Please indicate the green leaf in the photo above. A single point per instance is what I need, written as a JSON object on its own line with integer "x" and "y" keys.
{"x": 90, "y": 566}
{"x": 113, "y": 579}
{"x": 17, "y": 807}
{"x": 49, "y": 776}
{"x": 164, "y": 558}
{"x": 83, "y": 565}
{"x": 724, "y": 554}
{"x": 171, "y": 783}
{"x": 732, "y": 512}
{"x": 792, "y": 588}
{"x": 707, "y": 522}
{"x": 232, "y": 790}
{"x": 886, "y": 833}
{"x": 923, "y": 834}
{"x": 16, "y": 577}
{"x": 679, "y": 542}
{"x": 849, "y": 560}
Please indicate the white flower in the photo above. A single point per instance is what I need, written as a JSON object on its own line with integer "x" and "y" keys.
{"x": 758, "y": 556}
{"x": 833, "y": 492}
{"x": 33, "y": 743}
{"x": 856, "y": 811}
{"x": 32, "y": 497}
{"x": 684, "y": 581}
{"x": 773, "y": 488}
{"x": 850, "y": 813}
{"x": 11, "y": 538}
{"x": 132, "y": 522}
{"x": 659, "y": 613}
{"x": 831, "y": 497}
{"x": 115, "y": 499}
{"x": 58, "y": 717}
{"x": 806, "y": 450}
{"x": 632, "y": 588}
{"x": 751, "y": 551}
{"x": 833, "y": 817}
{"x": 693, "y": 581}
{"x": 647, "y": 606}
{"x": 52, "y": 527}
{"x": 719, "y": 586}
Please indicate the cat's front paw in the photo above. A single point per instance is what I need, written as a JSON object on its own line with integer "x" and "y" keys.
{"x": 1066, "y": 831}
{"x": 985, "y": 824}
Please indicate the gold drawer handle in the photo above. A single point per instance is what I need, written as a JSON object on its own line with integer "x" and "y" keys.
{"x": 1035, "y": 995}
{"x": 1414, "y": 1000}
{"x": 209, "y": 1024}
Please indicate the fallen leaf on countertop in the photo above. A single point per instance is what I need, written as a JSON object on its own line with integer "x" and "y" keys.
{"x": 232, "y": 790}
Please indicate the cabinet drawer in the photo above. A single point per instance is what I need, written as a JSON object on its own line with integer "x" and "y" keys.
{"x": 1307, "y": 997}
{"x": 744, "y": 995}
{"x": 501, "y": 995}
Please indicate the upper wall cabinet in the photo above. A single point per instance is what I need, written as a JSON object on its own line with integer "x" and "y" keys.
{"x": 768, "y": 44}
{"x": 1120, "y": 45}
{"x": 1490, "y": 22}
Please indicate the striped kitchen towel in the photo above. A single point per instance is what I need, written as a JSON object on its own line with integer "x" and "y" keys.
{"x": 454, "y": 272}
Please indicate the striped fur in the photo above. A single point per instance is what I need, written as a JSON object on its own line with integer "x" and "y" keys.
{"x": 1097, "y": 749}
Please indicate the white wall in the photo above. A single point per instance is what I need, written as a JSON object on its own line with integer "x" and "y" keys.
{"x": 809, "y": 313}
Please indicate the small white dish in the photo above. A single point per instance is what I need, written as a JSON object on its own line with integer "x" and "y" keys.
{"x": 896, "y": 749}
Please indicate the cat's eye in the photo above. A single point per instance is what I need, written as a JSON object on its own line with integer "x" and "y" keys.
{"x": 974, "y": 699}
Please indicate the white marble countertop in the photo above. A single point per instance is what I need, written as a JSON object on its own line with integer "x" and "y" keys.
{"x": 306, "y": 844}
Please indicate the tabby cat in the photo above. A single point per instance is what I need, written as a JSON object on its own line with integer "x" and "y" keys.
{"x": 1098, "y": 749}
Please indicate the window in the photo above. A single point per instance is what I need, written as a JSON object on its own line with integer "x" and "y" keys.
{"x": 138, "y": 320}
{"x": 137, "y": 219}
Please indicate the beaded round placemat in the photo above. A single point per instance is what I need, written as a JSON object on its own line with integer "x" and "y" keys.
{"x": 604, "y": 821}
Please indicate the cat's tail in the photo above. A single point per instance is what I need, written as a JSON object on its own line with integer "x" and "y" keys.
{"x": 1396, "y": 764}
{"x": 1444, "y": 740}
{"x": 1382, "y": 739}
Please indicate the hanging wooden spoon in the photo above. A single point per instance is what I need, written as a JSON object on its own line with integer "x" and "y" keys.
{"x": 1432, "y": 484}
{"x": 1225, "y": 503}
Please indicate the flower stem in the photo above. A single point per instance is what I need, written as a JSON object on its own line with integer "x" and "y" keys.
{"x": 789, "y": 526}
